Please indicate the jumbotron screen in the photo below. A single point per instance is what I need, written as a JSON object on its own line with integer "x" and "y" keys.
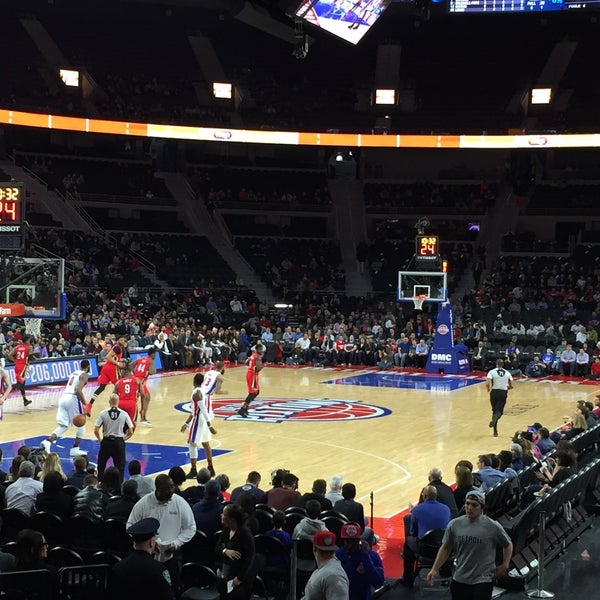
{"x": 524, "y": 6}
{"x": 348, "y": 19}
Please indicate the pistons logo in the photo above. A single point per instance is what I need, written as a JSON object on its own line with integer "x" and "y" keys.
{"x": 276, "y": 410}
{"x": 443, "y": 329}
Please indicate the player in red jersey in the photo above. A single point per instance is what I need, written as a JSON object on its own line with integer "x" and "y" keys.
{"x": 255, "y": 366}
{"x": 128, "y": 388}
{"x": 108, "y": 374}
{"x": 142, "y": 369}
{"x": 20, "y": 356}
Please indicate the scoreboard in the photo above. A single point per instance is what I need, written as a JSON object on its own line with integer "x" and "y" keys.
{"x": 524, "y": 6}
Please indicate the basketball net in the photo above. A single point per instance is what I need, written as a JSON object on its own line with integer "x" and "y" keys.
{"x": 33, "y": 327}
{"x": 418, "y": 301}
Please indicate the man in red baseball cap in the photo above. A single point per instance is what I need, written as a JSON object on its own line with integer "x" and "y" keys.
{"x": 329, "y": 581}
{"x": 363, "y": 566}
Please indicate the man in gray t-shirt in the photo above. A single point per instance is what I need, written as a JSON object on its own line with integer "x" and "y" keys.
{"x": 473, "y": 539}
{"x": 329, "y": 581}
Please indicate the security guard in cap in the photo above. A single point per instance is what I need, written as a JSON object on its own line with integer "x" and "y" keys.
{"x": 139, "y": 575}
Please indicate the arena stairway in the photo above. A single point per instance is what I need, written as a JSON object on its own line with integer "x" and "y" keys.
{"x": 351, "y": 229}
{"x": 200, "y": 221}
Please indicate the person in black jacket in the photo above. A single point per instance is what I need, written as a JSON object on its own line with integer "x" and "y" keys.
{"x": 138, "y": 575}
{"x": 445, "y": 495}
{"x": 31, "y": 553}
{"x": 319, "y": 487}
{"x": 121, "y": 507}
{"x": 353, "y": 510}
{"x": 111, "y": 482}
{"x": 207, "y": 512}
{"x": 236, "y": 550}
{"x": 53, "y": 498}
{"x": 90, "y": 501}
{"x": 444, "y": 492}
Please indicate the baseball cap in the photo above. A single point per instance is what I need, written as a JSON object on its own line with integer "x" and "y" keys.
{"x": 350, "y": 531}
{"x": 324, "y": 540}
{"x": 144, "y": 530}
{"x": 370, "y": 536}
{"x": 476, "y": 495}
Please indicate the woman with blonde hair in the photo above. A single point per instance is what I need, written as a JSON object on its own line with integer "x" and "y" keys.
{"x": 528, "y": 456}
{"x": 52, "y": 463}
{"x": 578, "y": 425}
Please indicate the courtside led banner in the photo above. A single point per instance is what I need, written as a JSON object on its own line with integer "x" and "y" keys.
{"x": 53, "y": 370}
{"x": 298, "y": 138}
{"x": 58, "y": 370}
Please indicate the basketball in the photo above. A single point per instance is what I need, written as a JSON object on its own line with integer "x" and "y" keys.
{"x": 79, "y": 420}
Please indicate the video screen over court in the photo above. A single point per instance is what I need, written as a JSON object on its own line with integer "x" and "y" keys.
{"x": 348, "y": 19}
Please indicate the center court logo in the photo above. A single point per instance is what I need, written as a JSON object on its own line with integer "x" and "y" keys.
{"x": 276, "y": 410}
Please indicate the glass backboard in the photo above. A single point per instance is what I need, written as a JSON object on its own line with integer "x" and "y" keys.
{"x": 32, "y": 287}
{"x": 427, "y": 283}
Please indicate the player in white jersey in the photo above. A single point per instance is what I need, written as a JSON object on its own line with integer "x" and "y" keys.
{"x": 5, "y": 387}
{"x": 211, "y": 385}
{"x": 198, "y": 428}
{"x": 71, "y": 404}
{"x": 498, "y": 382}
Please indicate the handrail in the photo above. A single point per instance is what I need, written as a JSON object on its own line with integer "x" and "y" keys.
{"x": 147, "y": 264}
{"x": 155, "y": 289}
{"x": 284, "y": 237}
{"x": 131, "y": 201}
{"x": 272, "y": 204}
{"x": 222, "y": 225}
{"x": 82, "y": 158}
{"x": 76, "y": 203}
{"x": 29, "y": 172}
{"x": 430, "y": 210}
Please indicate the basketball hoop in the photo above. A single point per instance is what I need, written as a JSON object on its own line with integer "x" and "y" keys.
{"x": 33, "y": 327}
{"x": 418, "y": 301}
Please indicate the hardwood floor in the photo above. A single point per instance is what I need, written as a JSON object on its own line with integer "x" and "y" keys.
{"x": 381, "y": 431}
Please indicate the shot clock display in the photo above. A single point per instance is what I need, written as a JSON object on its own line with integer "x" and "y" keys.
{"x": 12, "y": 197}
{"x": 428, "y": 248}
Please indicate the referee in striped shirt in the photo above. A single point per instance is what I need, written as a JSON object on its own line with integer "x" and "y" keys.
{"x": 498, "y": 382}
{"x": 116, "y": 427}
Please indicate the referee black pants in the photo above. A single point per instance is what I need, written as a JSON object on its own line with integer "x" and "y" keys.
{"x": 111, "y": 447}
{"x": 498, "y": 401}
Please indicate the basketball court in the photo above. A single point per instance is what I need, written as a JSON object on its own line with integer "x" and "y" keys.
{"x": 382, "y": 431}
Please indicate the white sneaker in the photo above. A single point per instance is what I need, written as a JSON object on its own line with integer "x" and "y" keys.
{"x": 76, "y": 451}
{"x": 146, "y": 422}
{"x": 46, "y": 446}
